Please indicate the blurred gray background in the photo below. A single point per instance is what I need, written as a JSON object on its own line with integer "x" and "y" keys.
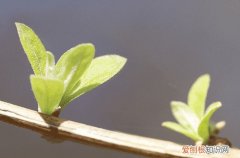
{"x": 168, "y": 43}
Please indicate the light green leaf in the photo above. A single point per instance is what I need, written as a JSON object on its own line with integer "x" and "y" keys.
{"x": 178, "y": 128}
{"x": 100, "y": 70}
{"x": 203, "y": 129}
{"x": 184, "y": 115}
{"x": 50, "y": 65}
{"x": 48, "y": 93}
{"x": 73, "y": 64}
{"x": 198, "y": 93}
{"x": 33, "y": 48}
{"x": 50, "y": 59}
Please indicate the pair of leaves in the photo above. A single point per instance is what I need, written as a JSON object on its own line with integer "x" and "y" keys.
{"x": 100, "y": 70}
{"x": 76, "y": 72}
{"x": 193, "y": 122}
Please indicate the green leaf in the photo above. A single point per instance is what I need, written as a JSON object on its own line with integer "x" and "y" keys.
{"x": 50, "y": 59}
{"x": 48, "y": 93}
{"x": 73, "y": 64}
{"x": 198, "y": 93}
{"x": 184, "y": 115}
{"x": 204, "y": 126}
{"x": 178, "y": 128}
{"x": 50, "y": 65}
{"x": 33, "y": 48}
{"x": 100, "y": 70}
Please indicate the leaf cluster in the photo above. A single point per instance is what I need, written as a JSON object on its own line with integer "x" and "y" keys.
{"x": 193, "y": 119}
{"x": 76, "y": 72}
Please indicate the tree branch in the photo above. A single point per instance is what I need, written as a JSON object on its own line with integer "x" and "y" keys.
{"x": 78, "y": 132}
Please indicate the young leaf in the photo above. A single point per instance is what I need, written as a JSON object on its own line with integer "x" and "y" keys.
{"x": 198, "y": 93}
{"x": 100, "y": 70}
{"x": 33, "y": 48}
{"x": 184, "y": 115}
{"x": 50, "y": 65}
{"x": 178, "y": 128}
{"x": 48, "y": 93}
{"x": 73, "y": 64}
{"x": 50, "y": 59}
{"x": 203, "y": 129}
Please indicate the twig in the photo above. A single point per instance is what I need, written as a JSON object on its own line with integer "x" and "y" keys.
{"x": 78, "y": 132}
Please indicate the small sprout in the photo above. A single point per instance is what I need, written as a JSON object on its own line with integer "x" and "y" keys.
{"x": 193, "y": 119}
{"x": 75, "y": 73}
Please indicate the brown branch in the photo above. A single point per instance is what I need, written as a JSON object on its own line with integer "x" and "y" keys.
{"x": 78, "y": 132}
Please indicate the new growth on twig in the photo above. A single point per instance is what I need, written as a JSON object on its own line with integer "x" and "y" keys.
{"x": 75, "y": 73}
{"x": 194, "y": 121}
